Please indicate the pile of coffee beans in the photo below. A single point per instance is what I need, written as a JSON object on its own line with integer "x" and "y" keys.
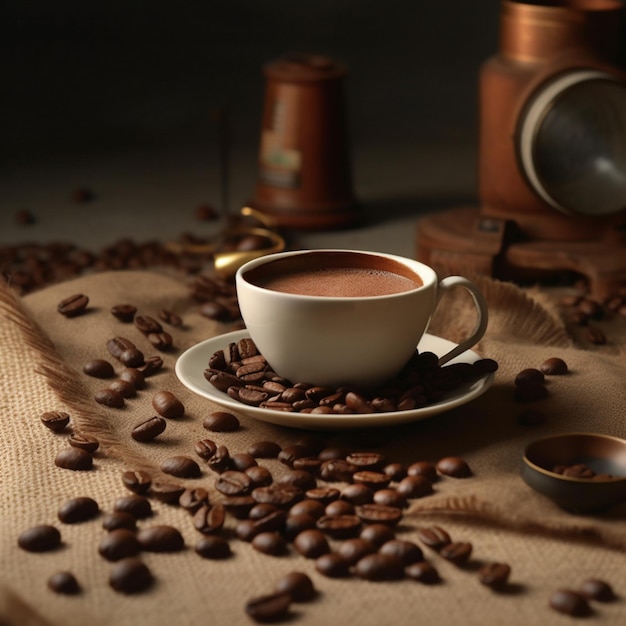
{"x": 580, "y": 470}
{"x": 243, "y": 373}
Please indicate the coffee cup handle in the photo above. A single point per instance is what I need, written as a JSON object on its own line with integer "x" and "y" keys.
{"x": 451, "y": 282}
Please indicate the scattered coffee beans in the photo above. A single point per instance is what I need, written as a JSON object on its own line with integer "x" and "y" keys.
{"x": 494, "y": 575}
{"x": 596, "y": 589}
{"x": 380, "y": 567}
{"x": 56, "y": 421}
{"x": 73, "y": 305}
{"x": 99, "y": 368}
{"x": 119, "y": 543}
{"x": 454, "y": 466}
{"x": 137, "y": 481}
{"x": 124, "y": 312}
{"x": 84, "y": 442}
{"x": 570, "y": 602}
{"x": 64, "y": 582}
{"x": 137, "y": 506}
{"x": 75, "y": 459}
{"x": 181, "y": 466}
{"x": 554, "y": 366}
{"x": 423, "y": 572}
{"x": 41, "y": 538}
{"x": 213, "y": 547}
{"x": 457, "y": 552}
{"x": 165, "y": 403}
{"x": 273, "y": 607}
{"x": 221, "y": 422}
{"x": 130, "y": 575}
{"x": 161, "y": 538}
{"x": 298, "y": 585}
{"x": 78, "y": 509}
{"x": 149, "y": 429}
{"x": 110, "y": 397}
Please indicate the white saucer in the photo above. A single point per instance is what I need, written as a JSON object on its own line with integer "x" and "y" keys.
{"x": 192, "y": 363}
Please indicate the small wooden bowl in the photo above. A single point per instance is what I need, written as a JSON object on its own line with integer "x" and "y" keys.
{"x": 603, "y": 454}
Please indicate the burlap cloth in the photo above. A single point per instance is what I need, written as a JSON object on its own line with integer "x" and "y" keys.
{"x": 41, "y": 359}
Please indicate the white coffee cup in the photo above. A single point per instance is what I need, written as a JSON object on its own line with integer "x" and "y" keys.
{"x": 351, "y": 338}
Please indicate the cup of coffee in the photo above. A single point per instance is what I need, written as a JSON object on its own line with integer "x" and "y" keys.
{"x": 344, "y": 317}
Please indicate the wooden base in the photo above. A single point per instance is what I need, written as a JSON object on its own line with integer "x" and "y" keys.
{"x": 461, "y": 241}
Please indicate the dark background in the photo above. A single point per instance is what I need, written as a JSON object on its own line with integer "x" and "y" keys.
{"x": 85, "y": 77}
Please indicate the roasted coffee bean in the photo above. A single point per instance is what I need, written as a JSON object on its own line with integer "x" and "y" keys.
{"x": 220, "y": 460}
{"x": 295, "y": 524}
{"x": 119, "y": 544}
{"x": 494, "y": 575}
{"x": 309, "y": 464}
{"x": 246, "y": 530}
{"x": 290, "y": 453}
{"x": 242, "y": 461}
{"x": 56, "y": 421}
{"x": 260, "y": 476}
{"x": 161, "y": 538}
{"x": 41, "y": 538}
{"x": 147, "y": 324}
{"x": 332, "y": 566}
{"x": 73, "y": 305}
{"x": 258, "y": 511}
{"x": 325, "y": 495}
{"x": 124, "y": 388}
{"x": 311, "y": 543}
{"x": 579, "y": 470}
{"x": 221, "y": 422}
{"x": 64, "y": 582}
{"x": 596, "y": 589}
{"x": 171, "y": 318}
{"x": 454, "y": 466}
{"x": 238, "y": 506}
{"x": 99, "y": 368}
{"x": 457, "y": 552}
{"x": 377, "y": 513}
{"x": 134, "y": 376}
{"x": 423, "y": 468}
{"x": 314, "y": 508}
{"x": 366, "y": 460}
{"x": 213, "y": 547}
{"x": 165, "y": 403}
{"x": 85, "y": 442}
{"x": 378, "y": 534}
{"x": 205, "y": 448}
{"x": 149, "y": 429}
{"x": 124, "y": 312}
{"x": 271, "y": 543}
{"x": 353, "y": 550}
{"x": 339, "y": 507}
{"x": 423, "y": 572}
{"x": 137, "y": 481}
{"x": 373, "y": 480}
{"x": 570, "y": 603}
{"x": 161, "y": 341}
{"x": 234, "y": 483}
{"x": 298, "y": 478}
{"x": 119, "y": 519}
{"x": 151, "y": 366}
{"x": 283, "y": 496}
{"x": 132, "y": 357}
{"x": 109, "y": 397}
{"x": 119, "y": 345}
{"x": 530, "y": 375}
{"x": 390, "y": 497}
{"x": 380, "y": 567}
{"x": 414, "y": 487}
{"x": 130, "y": 575}
{"x": 264, "y": 450}
{"x": 337, "y": 470}
{"x": 332, "y": 454}
{"x": 192, "y": 499}
{"x": 554, "y": 366}
{"x": 273, "y": 607}
{"x": 136, "y": 505}
{"x": 406, "y": 550}
{"x": 181, "y": 466}
{"x": 78, "y": 509}
{"x": 74, "y": 459}
{"x": 298, "y": 585}
{"x": 339, "y": 526}
{"x": 167, "y": 492}
{"x": 434, "y": 537}
{"x": 209, "y": 519}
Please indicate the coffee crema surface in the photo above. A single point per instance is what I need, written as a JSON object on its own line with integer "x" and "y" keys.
{"x": 340, "y": 282}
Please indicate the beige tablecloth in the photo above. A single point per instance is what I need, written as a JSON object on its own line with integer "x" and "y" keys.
{"x": 41, "y": 370}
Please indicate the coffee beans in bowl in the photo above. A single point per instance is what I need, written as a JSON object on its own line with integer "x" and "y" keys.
{"x": 580, "y": 472}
